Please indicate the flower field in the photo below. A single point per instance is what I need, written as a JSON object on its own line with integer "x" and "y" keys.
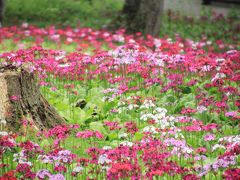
{"x": 135, "y": 107}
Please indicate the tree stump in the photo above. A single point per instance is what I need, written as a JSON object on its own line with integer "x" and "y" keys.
{"x": 20, "y": 99}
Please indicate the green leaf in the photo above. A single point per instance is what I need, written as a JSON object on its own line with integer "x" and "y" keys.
{"x": 170, "y": 99}
{"x": 227, "y": 130}
{"x": 178, "y": 108}
{"x": 186, "y": 90}
{"x": 61, "y": 106}
{"x": 97, "y": 126}
{"x": 138, "y": 136}
{"x": 44, "y": 143}
{"x": 80, "y": 115}
{"x": 113, "y": 136}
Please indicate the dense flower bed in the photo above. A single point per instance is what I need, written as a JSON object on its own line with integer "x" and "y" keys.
{"x": 137, "y": 108}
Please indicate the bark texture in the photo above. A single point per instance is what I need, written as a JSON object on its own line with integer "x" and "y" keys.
{"x": 141, "y": 16}
{"x": 20, "y": 98}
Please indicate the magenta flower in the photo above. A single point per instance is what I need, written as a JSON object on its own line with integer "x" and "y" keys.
{"x": 43, "y": 173}
{"x": 15, "y": 97}
{"x": 209, "y": 137}
{"x": 88, "y": 134}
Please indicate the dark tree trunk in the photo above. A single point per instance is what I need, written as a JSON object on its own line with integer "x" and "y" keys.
{"x": 141, "y": 16}
{"x": 206, "y": 2}
{"x": 130, "y": 9}
{"x": 20, "y": 98}
{"x": 148, "y": 17}
{"x": 2, "y": 4}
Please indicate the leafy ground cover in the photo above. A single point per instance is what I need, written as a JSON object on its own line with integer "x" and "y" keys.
{"x": 137, "y": 108}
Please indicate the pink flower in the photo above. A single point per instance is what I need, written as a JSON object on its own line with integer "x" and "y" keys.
{"x": 99, "y": 135}
{"x": 88, "y": 134}
{"x": 15, "y": 97}
{"x": 231, "y": 114}
{"x": 43, "y": 173}
{"x": 53, "y": 88}
{"x": 209, "y": 137}
{"x": 191, "y": 177}
{"x": 57, "y": 177}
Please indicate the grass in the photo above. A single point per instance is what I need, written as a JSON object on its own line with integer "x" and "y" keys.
{"x": 95, "y": 13}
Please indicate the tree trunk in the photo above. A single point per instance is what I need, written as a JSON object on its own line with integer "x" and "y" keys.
{"x": 20, "y": 99}
{"x": 130, "y": 9}
{"x": 141, "y": 16}
{"x": 2, "y": 3}
{"x": 148, "y": 17}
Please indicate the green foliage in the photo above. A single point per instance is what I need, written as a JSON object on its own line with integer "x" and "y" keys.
{"x": 225, "y": 29}
{"x": 98, "y": 126}
{"x": 61, "y": 12}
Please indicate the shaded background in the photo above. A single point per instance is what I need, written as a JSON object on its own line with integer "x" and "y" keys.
{"x": 187, "y": 18}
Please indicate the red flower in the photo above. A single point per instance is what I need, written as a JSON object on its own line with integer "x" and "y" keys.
{"x": 232, "y": 174}
{"x": 191, "y": 177}
{"x": 60, "y": 168}
{"x": 10, "y": 175}
{"x": 188, "y": 111}
{"x": 156, "y": 173}
{"x": 131, "y": 127}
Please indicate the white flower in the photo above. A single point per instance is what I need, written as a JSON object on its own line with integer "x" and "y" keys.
{"x": 170, "y": 40}
{"x": 77, "y": 169}
{"x": 57, "y": 58}
{"x": 126, "y": 143}
{"x": 147, "y": 104}
{"x": 122, "y": 135}
{"x": 104, "y": 159}
{"x": 206, "y": 68}
{"x": 161, "y": 110}
{"x": 24, "y": 162}
{"x": 209, "y": 42}
{"x": 216, "y": 146}
{"x": 157, "y": 42}
{"x": 218, "y": 68}
{"x": 232, "y": 51}
{"x": 19, "y": 157}
{"x": 24, "y": 24}
{"x": 149, "y": 129}
{"x": 218, "y": 76}
{"x": 64, "y": 65}
{"x": 132, "y": 106}
{"x": 179, "y": 135}
{"x": 201, "y": 109}
{"x": 65, "y": 160}
{"x": 189, "y": 150}
{"x": 3, "y": 133}
{"x": 230, "y": 139}
{"x": 131, "y": 41}
{"x": 145, "y": 117}
{"x": 107, "y": 147}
